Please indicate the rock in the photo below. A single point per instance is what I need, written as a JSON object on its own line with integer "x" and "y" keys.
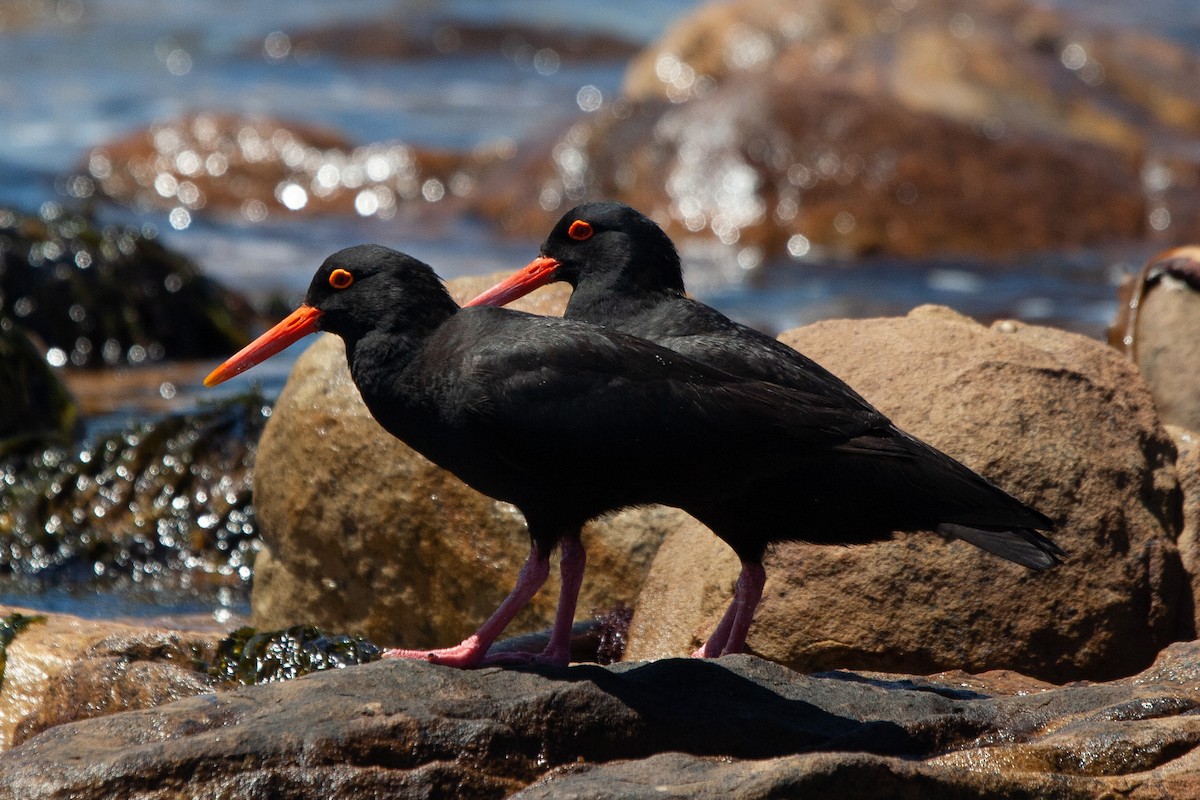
{"x": 737, "y": 727}
{"x": 949, "y": 126}
{"x": 53, "y": 647}
{"x": 1057, "y": 419}
{"x": 129, "y": 670}
{"x": 38, "y": 409}
{"x": 362, "y": 534}
{"x": 1158, "y": 326}
{"x": 111, "y": 296}
{"x": 256, "y": 167}
{"x": 1188, "y": 467}
{"x": 163, "y": 506}
{"x": 390, "y": 38}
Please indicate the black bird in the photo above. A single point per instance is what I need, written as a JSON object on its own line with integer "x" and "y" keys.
{"x": 563, "y": 419}
{"x": 863, "y": 479}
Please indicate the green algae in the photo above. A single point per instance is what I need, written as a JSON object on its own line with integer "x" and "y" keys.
{"x": 248, "y": 656}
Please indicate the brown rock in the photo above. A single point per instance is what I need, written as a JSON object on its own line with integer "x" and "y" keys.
{"x": 737, "y": 727}
{"x": 66, "y": 668}
{"x": 1188, "y": 468}
{"x": 430, "y": 38}
{"x": 992, "y": 127}
{"x": 362, "y": 534}
{"x": 123, "y": 672}
{"x": 1060, "y": 421}
{"x": 1158, "y": 326}
{"x": 255, "y": 167}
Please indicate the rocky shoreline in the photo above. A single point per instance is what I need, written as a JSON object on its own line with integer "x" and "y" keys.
{"x": 914, "y": 667}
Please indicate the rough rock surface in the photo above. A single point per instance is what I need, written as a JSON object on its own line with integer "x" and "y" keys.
{"x": 1158, "y": 326}
{"x": 1188, "y": 467}
{"x": 738, "y": 727}
{"x": 62, "y": 668}
{"x": 1059, "y": 420}
{"x": 421, "y": 563}
{"x": 129, "y": 670}
{"x": 984, "y": 127}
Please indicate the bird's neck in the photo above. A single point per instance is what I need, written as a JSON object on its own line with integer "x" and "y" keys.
{"x": 608, "y": 299}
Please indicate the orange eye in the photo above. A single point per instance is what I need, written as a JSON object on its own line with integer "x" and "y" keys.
{"x": 340, "y": 279}
{"x": 580, "y": 230}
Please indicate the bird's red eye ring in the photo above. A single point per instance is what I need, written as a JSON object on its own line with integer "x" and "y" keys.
{"x": 340, "y": 279}
{"x": 580, "y": 230}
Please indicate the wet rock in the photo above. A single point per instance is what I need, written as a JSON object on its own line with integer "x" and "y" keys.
{"x": 256, "y": 167}
{"x": 111, "y": 296}
{"x": 861, "y": 128}
{"x": 37, "y": 653}
{"x": 125, "y": 671}
{"x": 38, "y": 410}
{"x": 1158, "y": 326}
{"x": 738, "y": 727}
{"x": 425, "y": 560}
{"x": 434, "y": 37}
{"x": 67, "y": 669}
{"x": 162, "y": 506}
{"x": 1059, "y": 420}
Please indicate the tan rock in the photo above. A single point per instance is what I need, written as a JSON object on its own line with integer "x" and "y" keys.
{"x": 362, "y": 534}
{"x": 1059, "y": 420}
{"x": 43, "y": 653}
{"x": 125, "y": 671}
{"x": 1188, "y": 468}
{"x": 1158, "y": 326}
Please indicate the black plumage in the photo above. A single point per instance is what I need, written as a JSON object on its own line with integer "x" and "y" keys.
{"x": 858, "y": 480}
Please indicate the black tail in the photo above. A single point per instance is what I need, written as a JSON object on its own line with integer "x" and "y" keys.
{"x": 1024, "y": 546}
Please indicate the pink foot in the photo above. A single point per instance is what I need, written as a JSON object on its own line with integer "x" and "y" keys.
{"x": 463, "y": 656}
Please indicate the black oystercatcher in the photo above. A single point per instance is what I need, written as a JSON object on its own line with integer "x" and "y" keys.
{"x": 567, "y": 420}
{"x": 859, "y": 480}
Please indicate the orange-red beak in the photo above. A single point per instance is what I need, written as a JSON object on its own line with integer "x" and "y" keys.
{"x": 539, "y": 272}
{"x": 296, "y": 325}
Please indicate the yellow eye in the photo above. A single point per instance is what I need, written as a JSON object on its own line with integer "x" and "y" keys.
{"x": 580, "y": 230}
{"x": 340, "y": 279}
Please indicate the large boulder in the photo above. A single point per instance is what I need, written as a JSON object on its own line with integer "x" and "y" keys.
{"x": 363, "y": 534}
{"x": 1061, "y": 421}
{"x": 107, "y": 296}
{"x": 738, "y": 727}
{"x": 867, "y": 126}
{"x": 255, "y": 167}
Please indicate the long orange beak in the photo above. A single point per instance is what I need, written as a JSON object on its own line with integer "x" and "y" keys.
{"x": 539, "y": 272}
{"x": 296, "y": 325}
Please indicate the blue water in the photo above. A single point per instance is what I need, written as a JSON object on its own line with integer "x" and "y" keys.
{"x": 84, "y": 73}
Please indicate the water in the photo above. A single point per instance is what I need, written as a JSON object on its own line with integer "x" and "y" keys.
{"x": 78, "y": 74}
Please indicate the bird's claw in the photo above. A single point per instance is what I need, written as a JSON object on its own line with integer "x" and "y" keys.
{"x": 463, "y": 656}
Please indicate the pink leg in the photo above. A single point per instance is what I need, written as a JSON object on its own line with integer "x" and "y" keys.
{"x": 730, "y": 634}
{"x": 558, "y": 649}
{"x": 472, "y": 650}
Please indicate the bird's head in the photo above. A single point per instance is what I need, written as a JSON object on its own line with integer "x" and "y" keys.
{"x": 603, "y": 246}
{"x": 355, "y": 291}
